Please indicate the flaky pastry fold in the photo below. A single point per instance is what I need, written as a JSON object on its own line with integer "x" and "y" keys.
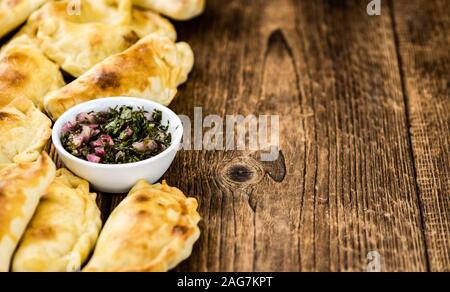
{"x": 151, "y": 69}
{"x": 21, "y": 187}
{"x": 63, "y": 230}
{"x": 175, "y": 9}
{"x": 152, "y": 230}
{"x": 24, "y": 132}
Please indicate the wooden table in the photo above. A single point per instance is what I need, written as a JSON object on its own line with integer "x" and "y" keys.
{"x": 364, "y": 110}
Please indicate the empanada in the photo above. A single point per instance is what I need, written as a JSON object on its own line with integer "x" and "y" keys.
{"x": 175, "y": 9}
{"x": 151, "y": 69}
{"x": 21, "y": 187}
{"x": 78, "y": 42}
{"x": 64, "y": 229}
{"x": 15, "y": 12}
{"x": 152, "y": 230}
{"x": 26, "y": 72}
{"x": 24, "y": 132}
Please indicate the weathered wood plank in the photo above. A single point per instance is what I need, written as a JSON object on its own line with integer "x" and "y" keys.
{"x": 331, "y": 73}
{"x": 423, "y": 29}
{"x": 344, "y": 184}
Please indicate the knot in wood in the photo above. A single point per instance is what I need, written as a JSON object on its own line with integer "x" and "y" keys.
{"x": 241, "y": 172}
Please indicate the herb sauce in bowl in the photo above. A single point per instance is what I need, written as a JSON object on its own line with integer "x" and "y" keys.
{"x": 119, "y": 135}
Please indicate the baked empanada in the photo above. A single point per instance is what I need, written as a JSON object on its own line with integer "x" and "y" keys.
{"x": 151, "y": 69}
{"x": 26, "y": 72}
{"x": 175, "y": 9}
{"x": 64, "y": 229}
{"x": 152, "y": 230}
{"x": 24, "y": 132}
{"x": 78, "y": 42}
{"x": 15, "y": 12}
{"x": 21, "y": 187}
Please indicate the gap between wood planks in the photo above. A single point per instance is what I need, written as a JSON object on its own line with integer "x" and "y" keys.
{"x": 423, "y": 38}
{"x": 408, "y": 122}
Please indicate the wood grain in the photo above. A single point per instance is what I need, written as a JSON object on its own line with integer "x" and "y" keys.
{"x": 423, "y": 43}
{"x": 364, "y": 112}
{"x": 332, "y": 74}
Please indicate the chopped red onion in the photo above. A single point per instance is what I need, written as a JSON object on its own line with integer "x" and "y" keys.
{"x": 107, "y": 140}
{"x": 86, "y": 118}
{"x": 145, "y": 145}
{"x": 100, "y": 151}
{"x": 139, "y": 146}
{"x": 97, "y": 143}
{"x": 95, "y": 133}
{"x": 77, "y": 140}
{"x": 93, "y": 158}
{"x": 69, "y": 126}
{"x": 129, "y": 132}
{"x": 149, "y": 116}
{"x": 120, "y": 154}
{"x": 86, "y": 132}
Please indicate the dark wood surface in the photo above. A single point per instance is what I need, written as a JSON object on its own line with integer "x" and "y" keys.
{"x": 364, "y": 110}
{"x": 423, "y": 39}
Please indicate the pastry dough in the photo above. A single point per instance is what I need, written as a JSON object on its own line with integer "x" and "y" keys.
{"x": 24, "y": 132}
{"x": 64, "y": 229}
{"x": 21, "y": 187}
{"x": 176, "y": 9}
{"x": 26, "y": 72}
{"x": 152, "y": 230}
{"x": 151, "y": 69}
{"x": 78, "y": 42}
{"x": 15, "y": 12}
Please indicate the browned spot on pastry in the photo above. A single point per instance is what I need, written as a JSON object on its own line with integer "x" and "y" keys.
{"x": 3, "y": 116}
{"x": 2, "y": 199}
{"x": 13, "y": 210}
{"x": 130, "y": 38}
{"x": 180, "y": 230}
{"x": 184, "y": 209}
{"x": 95, "y": 40}
{"x": 13, "y": 3}
{"x": 15, "y": 57}
{"x": 143, "y": 213}
{"x": 45, "y": 198}
{"x": 13, "y": 78}
{"x": 10, "y": 76}
{"x": 107, "y": 79}
{"x": 44, "y": 232}
{"x": 141, "y": 199}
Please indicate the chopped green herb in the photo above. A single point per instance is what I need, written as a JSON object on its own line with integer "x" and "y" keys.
{"x": 117, "y": 136}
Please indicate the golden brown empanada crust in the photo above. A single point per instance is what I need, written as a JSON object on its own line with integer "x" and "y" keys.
{"x": 152, "y": 230}
{"x": 151, "y": 69}
{"x": 24, "y": 132}
{"x": 64, "y": 229}
{"x": 15, "y": 12}
{"x": 175, "y": 9}
{"x": 26, "y": 72}
{"x": 79, "y": 42}
{"x": 21, "y": 187}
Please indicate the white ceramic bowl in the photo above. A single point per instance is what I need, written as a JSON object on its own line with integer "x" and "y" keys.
{"x": 119, "y": 178}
